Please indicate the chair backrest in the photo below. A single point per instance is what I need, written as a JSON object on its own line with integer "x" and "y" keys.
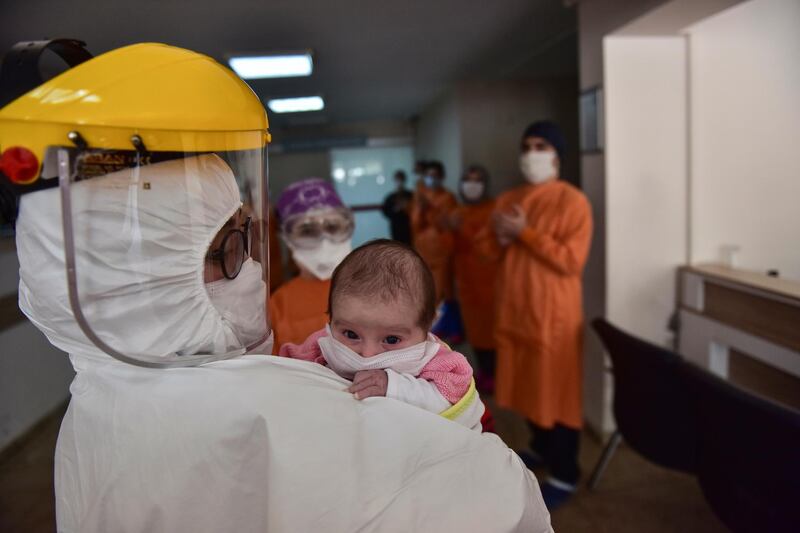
{"x": 748, "y": 455}
{"x": 652, "y": 406}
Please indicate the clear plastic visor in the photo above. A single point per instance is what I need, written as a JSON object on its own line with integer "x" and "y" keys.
{"x": 167, "y": 252}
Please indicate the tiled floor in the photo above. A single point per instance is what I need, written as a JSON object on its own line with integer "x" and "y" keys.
{"x": 633, "y": 495}
{"x": 26, "y": 483}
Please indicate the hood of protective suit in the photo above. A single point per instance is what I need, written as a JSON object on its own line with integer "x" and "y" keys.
{"x": 140, "y": 252}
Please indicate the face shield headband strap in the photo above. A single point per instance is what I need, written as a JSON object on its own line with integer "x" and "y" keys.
{"x": 20, "y": 70}
{"x": 65, "y": 179}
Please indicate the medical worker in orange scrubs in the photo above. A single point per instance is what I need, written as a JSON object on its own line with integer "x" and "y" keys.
{"x": 541, "y": 233}
{"x": 317, "y": 229}
{"x": 475, "y": 273}
{"x": 429, "y": 228}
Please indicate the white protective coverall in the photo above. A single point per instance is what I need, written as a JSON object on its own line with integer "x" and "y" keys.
{"x": 253, "y": 443}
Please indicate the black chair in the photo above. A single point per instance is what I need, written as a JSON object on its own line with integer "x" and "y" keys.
{"x": 748, "y": 455}
{"x": 652, "y": 406}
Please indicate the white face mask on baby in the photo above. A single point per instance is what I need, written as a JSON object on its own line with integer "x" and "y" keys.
{"x": 242, "y": 303}
{"x": 346, "y": 362}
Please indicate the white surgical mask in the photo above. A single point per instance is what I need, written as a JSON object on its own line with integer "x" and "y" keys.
{"x": 322, "y": 260}
{"x": 429, "y": 181}
{"x": 346, "y": 362}
{"x": 537, "y": 167}
{"x": 472, "y": 190}
{"x": 241, "y": 302}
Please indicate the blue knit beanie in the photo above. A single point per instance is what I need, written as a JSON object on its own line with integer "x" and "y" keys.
{"x": 548, "y": 131}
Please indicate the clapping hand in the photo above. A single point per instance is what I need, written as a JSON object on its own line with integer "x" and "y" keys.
{"x": 508, "y": 225}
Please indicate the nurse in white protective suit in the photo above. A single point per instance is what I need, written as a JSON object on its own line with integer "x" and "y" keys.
{"x": 140, "y": 257}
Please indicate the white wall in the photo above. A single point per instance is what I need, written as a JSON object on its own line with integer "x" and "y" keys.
{"x": 493, "y": 115}
{"x": 673, "y": 17}
{"x": 285, "y": 169}
{"x": 288, "y": 167}
{"x": 34, "y": 376}
{"x": 745, "y": 87}
{"x": 646, "y": 162}
{"x": 438, "y": 136}
{"x": 596, "y": 19}
{"x": 596, "y": 377}
{"x": 481, "y": 123}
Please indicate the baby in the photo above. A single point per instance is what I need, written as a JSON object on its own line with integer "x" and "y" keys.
{"x": 381, "y": 306}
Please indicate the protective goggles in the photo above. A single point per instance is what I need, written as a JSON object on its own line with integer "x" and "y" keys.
{"x": 307, "y": 231}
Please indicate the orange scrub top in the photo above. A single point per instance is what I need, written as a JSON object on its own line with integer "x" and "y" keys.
{"x": 297, "y": 309}
{"x": 539, "y": 313}
{"x": 475, "y": 275}
{"x": 433, "y": 243}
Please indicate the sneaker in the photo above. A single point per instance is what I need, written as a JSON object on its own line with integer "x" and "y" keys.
{"x": 556, "y": 493}
{"x": 531, "y": 459}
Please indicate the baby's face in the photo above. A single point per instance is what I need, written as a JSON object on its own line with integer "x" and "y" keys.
{"x": 371, "y": 326}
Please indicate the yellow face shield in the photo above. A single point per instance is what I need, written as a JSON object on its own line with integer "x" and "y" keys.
{"x": 152, "y": 161}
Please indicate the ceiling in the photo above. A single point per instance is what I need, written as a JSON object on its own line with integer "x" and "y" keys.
{"x": 373, "y": 60}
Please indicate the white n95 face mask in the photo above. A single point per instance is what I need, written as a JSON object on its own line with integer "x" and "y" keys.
{"x": 346, "y": 362}
{"x": 537, "y": 167}
{"x": 322, "y": 260}
{"x": 472, "y": 190}
{"x": 242, "y": 302}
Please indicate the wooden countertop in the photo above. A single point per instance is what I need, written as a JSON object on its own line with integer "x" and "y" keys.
{"x": 755, "y": 280}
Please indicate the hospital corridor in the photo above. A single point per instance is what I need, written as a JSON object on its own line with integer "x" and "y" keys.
{"x": 512, "y": 266}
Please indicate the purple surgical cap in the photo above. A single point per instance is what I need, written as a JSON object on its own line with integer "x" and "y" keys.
{"x": 304, "y": 195}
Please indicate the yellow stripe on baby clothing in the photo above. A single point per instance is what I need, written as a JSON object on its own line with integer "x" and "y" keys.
{"x": 458, "y": 408}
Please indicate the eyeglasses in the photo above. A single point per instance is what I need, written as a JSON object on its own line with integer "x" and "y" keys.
{"x": 308, "y": 230}
{"x": 233, "y": 250}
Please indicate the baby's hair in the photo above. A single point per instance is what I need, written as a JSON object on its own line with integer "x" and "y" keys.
{"x": 386, "y": 270}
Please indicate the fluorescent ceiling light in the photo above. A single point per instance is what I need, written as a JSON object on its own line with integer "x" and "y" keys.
{"x": 294, "y": 105}
{"x": 272, "y": 66}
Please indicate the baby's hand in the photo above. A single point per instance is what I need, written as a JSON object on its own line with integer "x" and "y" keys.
{"x": 369, "y": 383}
